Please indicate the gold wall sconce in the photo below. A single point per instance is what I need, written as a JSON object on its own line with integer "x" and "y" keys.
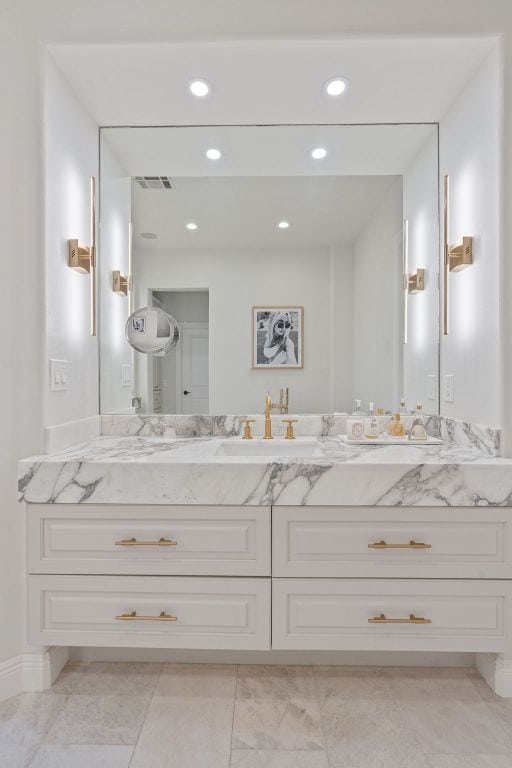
{"x": 120, "y": 283}
{"x": 416, "y": 281}
{"x": 82, "y": 258}
{"x": 456, "y": 257}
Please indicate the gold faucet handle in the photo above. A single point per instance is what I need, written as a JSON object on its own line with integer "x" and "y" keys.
{"x": 290, "y": 434}
{"x": 247, "y": 428}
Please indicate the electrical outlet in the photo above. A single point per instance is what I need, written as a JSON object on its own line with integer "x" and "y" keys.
{"x": 432, "y": 386}
{"x": 126, "y": 375}
{"x": 59, "y": 375}
{"x": 448, "y": 389}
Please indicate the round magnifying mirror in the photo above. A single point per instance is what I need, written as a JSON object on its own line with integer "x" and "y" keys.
{"x": 152, "y": 331}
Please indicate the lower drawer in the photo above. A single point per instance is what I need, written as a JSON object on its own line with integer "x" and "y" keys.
{"x": 149, "y": 612}
{"x": 383, "y": 614}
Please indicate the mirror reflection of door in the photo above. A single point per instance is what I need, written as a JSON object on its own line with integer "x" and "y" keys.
{"x": 187, "y": 371}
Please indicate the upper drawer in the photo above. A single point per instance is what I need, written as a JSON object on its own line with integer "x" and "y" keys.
{"x": 88, "y": 539}
{"x": 417, "y": 542}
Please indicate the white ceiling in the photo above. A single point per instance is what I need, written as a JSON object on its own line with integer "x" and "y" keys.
{"x": 236, "y": 212}
{"x": 391, "y": 80}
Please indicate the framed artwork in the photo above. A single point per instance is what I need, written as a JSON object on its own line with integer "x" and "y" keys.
{"x": 278, "y": 337}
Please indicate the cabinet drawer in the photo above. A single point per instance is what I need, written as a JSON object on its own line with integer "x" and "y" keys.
{"x": 342, "y": 614}
{"x": 370, "y": 542}
{"x": 88, "y": 539}
{"x": 170, "y": 612}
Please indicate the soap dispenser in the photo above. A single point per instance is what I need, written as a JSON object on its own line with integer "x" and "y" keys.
{"x": 371, "y": 424}
{"x": 355, "y": 423}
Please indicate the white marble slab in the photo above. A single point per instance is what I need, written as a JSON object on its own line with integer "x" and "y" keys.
{"x": 149, "y": 470}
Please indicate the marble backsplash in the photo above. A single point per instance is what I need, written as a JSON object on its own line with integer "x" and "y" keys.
{"x": 462, "y": 433}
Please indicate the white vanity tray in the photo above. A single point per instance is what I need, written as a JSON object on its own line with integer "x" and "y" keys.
{"x": 390, "y": 441}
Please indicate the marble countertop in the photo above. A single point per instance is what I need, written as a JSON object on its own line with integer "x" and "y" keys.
{"x": 166, "y": 470}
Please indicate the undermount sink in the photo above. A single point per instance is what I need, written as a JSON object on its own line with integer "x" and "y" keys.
{"x": 278, "y": 446}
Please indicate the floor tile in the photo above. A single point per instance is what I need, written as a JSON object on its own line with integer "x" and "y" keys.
{"x": 197, "y": 680}
{"x": 351, "y": 683}
{"x": 69, "y": 678}
{"x": 274, "y": 758}
{"x": 425, "y": 684}
{"x": 119, "y": 678}
{"x": 277, "y": 724}
{"x": 24, "y": 723}
{"x": 99, "y": 720}
{"x": 185, "y": 733}
{"x": 369, "y": 734}
{"x": 82, "y": 756}
{"x": 275, "y": 682}
{"x": 470, "y": 761}
{"x": 455, "y": 727}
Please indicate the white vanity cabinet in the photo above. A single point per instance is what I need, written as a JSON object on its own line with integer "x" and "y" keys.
{"x": 341, "y": 578}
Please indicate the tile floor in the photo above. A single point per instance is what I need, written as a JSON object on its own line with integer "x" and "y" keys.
{"x": 106, "y": 715}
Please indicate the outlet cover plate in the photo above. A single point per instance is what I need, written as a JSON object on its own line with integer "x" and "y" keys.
{"x": 448, "y": 388}
{"x": 59, "y": 375}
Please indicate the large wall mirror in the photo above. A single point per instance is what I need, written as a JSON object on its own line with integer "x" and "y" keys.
{"x": 291, "y": 257}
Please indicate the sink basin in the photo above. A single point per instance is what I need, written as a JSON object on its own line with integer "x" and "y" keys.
{"x": 277, "y": 447}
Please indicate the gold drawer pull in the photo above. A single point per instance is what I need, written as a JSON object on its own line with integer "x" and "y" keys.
{"x": 381, "y": 619}
{"x": 134, "y": 543}
{"x": 410, "y": 545}
{"x": 133, "y": 616}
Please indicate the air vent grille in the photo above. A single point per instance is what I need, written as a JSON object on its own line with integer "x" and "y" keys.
{"x": 154, "y": 182}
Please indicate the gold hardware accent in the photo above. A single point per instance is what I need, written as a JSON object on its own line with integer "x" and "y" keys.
{"x": 268, "y": 419}
{"x": 134, "y": 616}
{"x": 410, "y": 545}
{"x": 82, "y": 258}
{"x": 120, "y": 283}
{"x": 416, "y": 281}
{"x": 456, "y": 257}
{"x": 290, "y": 435}
{"x": 284, "y": 396}
{"x": 134, "y": 543}
{"x": 381, "y": 619}
{"x": 247, "y": 429}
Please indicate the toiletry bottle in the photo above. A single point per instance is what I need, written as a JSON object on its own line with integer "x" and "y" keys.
{"x": 396, "y": 426}
{"x": 402, "y": 410}
{"x": 418, "y": 431}
{"x": 371, "y": 424}
{"x": 355, "y": 423}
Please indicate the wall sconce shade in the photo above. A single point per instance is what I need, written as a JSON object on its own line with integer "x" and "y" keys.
{"x": 456, "y": 257}
{"x": 82, "y": 258}
{"x": 416, "y": 281}
{"x": 120, "y": 283}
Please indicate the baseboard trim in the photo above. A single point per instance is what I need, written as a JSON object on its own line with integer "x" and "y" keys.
{"x": 496, "y": 669}
{"x": 31, "y": 672}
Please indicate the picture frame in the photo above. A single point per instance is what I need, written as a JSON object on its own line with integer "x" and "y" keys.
{"x": 277, "y": 336}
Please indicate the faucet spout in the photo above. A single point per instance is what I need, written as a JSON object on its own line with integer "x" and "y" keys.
{"x": 268, "y": 419}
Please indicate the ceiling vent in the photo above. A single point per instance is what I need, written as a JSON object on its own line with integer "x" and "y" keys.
{"x": 154, "y": 182}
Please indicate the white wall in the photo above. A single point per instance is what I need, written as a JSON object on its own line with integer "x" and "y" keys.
{"x": 377, "y": 307}
{"x": 420, "y": 208}
{"x": 114, "y": 236}
{"x": 71, "y": 158}
{"x": 237, "y": 281}
{"x": 471, "y": 154}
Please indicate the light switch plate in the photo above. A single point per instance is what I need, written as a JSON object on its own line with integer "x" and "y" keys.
{"x": 448, "y": 388}
{"x": 432, "y": 386}
{"x": 59, "y": 375}
{"x": 126, "y": 375}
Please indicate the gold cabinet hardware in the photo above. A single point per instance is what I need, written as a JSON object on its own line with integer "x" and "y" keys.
{"x": 416, "y": 281}
{"x": 382, "y": 619}
{"x": 455, "y": 257}
{"x": 120, "y": 283}
{"x": 135, "y": 543}
{"x": 82, "y": 258}
{"x": 410, "y": 545}
{"x": 247, "y": 428}
{"x": 290, "y": 434}
{"x": 134, "y": 616}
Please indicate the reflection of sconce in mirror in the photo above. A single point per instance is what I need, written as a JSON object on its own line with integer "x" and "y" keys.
{"x": 82, "y": 257}
{"x": 120, "y": 283}
{"x": 456, "y": 257}
{"x": 416, "y": 281}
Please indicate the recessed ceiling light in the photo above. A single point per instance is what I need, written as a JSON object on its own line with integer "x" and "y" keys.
{"x": 283, "y": 224}
{"x": 318, "y": 153}
{"x": 213, "y": 154}
{"x": 148, "y": 235}
{"x": 335, "y": 86}
{"x": 191, "y": 225}
{"x": 199, "y": 87}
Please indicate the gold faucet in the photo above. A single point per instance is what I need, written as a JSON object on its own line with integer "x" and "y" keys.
{"x": 268, "y": 419}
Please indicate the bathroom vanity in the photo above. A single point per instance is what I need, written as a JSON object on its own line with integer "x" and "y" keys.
{"x": 168, "y": 542}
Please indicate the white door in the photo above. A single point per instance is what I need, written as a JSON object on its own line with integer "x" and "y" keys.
{"x": 195, "y": 384}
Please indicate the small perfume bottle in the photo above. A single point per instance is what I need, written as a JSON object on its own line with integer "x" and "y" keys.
{"x": 396, "y": 426}
{"x": 418, "y": 431}
{"x": 355, "y": 423}
{"x": 371, "y": 424}
{"x": 402, "y": 409}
